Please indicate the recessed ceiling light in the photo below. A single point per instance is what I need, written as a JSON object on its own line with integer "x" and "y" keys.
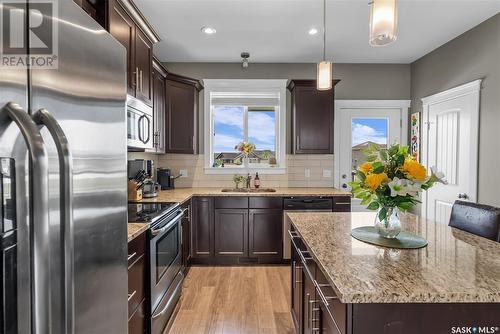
{"x": 313, "y": 31}
{"x": 208, "y": 30}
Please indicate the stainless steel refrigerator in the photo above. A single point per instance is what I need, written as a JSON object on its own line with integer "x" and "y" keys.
{"x": 63, "y": 136}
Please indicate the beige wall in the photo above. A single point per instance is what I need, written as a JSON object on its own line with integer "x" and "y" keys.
{"x": 473, "y": 55}
{"x": 358, "y": 81}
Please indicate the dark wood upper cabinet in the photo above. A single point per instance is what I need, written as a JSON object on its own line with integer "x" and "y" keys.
{"x": 182, "y": 114}
{"x": 159, "y": 91}
{"x": 265, "y": 233}
{"x": 231, "y": 232}
{"x": 122, "y": 27}
{"x": 202, "y": 232}
{"x": 312, "y": 118}
{"x": 144, "y": 66}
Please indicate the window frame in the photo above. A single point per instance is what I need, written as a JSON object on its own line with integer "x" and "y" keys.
{"x": 245, "y": 86}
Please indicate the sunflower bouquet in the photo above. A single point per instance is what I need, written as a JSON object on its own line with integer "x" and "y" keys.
{"x": 391, "y": 180}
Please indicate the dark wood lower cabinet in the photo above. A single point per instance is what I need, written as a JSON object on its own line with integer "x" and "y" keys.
{"x": 231, "y": 232}
{"x": 202, "y": 232}
{"x": 137, "y": 322}
{"x": 186, "y": 235}
{"x": 266, "y": 234}
{"x": 136, "y": 285}
{"x": 297, "y": 291}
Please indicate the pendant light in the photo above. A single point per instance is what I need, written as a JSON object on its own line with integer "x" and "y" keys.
{"x": 383, "y": 22}
{"x": 324, "y": 70}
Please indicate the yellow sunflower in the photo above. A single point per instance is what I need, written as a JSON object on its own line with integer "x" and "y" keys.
{"x": 414, "y": 170}
{"x": 373, "y": 181}
{"x": 366, "y": 168}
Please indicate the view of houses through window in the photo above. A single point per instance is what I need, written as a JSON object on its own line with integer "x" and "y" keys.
{"x": 233, "y": 125}
{"x": 366, "y": 131}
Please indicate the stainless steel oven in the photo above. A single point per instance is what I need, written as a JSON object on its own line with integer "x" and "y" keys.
{"x": 139, "y": 124}
{"x": 165, "y": 247}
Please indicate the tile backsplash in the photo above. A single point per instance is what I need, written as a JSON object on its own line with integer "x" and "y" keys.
{"x": 320, "y": 171}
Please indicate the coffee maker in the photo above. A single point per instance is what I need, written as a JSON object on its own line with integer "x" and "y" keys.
{"x": 165, "y": 179}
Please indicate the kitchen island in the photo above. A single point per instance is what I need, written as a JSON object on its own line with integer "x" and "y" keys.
{"x": 453, "y": 282}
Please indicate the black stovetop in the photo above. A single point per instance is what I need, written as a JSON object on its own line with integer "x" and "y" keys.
{"x": 149, "y": 212}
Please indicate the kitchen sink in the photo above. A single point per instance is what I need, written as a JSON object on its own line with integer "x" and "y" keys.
{"x": 246, "y": 190}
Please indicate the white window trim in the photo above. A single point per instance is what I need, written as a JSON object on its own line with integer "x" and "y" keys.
{"x": 246, "y": 85}
{"x": 402, "y": 105}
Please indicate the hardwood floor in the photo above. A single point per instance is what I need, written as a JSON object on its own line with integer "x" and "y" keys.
{"x": 234, "y": 300}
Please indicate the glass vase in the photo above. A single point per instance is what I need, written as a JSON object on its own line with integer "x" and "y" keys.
{"x": 390, "y": 226}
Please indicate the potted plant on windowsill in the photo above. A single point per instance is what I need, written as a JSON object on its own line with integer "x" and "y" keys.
{"x": 389, "y": 181}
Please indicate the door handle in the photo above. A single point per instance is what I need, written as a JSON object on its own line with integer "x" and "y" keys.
{"x": 139, "y": 128}
{"x": 45, "y": 118}
{"x": 148, "y": 131}
{"x": 141, "y": 81}
{"x": 39, "y": 215}
{"x": 463, "y": 196}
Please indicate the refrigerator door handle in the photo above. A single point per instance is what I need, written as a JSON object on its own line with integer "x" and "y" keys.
{"x": 39, "y": 216}
{"x": 45, "y": 118}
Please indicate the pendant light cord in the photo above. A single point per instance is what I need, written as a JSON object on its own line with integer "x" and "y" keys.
{"x": 324, "y": 30}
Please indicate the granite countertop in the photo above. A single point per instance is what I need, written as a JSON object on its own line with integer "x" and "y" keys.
{"x": 136, "y": 229}
{"x": 183, "y": 194}
{"x": 455, "y": 267}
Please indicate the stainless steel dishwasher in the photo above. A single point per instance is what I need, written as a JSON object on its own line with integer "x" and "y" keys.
{"x": 301, "y": 204}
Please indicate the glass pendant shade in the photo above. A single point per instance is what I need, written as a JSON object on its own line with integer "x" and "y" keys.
{"x": 383, "y": 22}
{"x": 324, "y": 79}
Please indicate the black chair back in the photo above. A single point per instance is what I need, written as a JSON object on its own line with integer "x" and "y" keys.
{"x": 479, "y": 219}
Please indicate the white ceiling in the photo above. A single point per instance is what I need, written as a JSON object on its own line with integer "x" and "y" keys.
{"x": 275, "y": 31}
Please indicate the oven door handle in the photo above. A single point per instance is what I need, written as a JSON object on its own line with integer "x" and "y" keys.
{"x": 169, "y": 302}
{"x": 167, "y": 227}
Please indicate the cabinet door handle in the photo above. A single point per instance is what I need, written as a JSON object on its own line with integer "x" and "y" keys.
{"x": 131, "y": 295}
{"x": 131, "y": 256}
{"x": 192, "y": 140}
{"x": 298, "y": 143}
{"x": 136, "y": 83}
{"x": 141, "y": 81}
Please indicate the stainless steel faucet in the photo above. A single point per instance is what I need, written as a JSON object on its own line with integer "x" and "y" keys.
{"x": 249, "y": 180}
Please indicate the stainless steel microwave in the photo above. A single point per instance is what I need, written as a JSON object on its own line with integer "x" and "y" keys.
{"x": 139, "y": 124}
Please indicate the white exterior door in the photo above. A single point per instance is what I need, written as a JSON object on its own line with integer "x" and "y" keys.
{"x": 450, "y": 143}
{"x": 358, "y": 125}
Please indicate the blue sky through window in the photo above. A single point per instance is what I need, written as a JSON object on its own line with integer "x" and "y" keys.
{"x": 369, "y": 129}
{"x": 229, "y": 131}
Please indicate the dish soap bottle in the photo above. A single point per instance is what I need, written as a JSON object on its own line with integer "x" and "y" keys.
{"x": 256, "y": 181}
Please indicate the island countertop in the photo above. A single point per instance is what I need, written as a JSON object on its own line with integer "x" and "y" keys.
{"x": 455, "y": 267}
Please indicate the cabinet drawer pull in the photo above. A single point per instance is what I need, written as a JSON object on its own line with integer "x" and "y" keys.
{"x": 131, "y": 256}
{"x": 293, "y": 234}
{"x": 131, "y": 295}
{"x": 322, "y": 296}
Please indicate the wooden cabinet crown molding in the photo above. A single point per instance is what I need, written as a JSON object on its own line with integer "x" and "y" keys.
{"x": 306, "y": 83}
{"x": 139, "y": 19}
{"x": 158, "y": 66}
{"x": 187, "y": 80}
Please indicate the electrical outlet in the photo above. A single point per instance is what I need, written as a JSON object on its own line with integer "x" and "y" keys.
{"x": 327, "y": 173}
{"x": 183, "y": 172}
{"x": 307, "y": 172}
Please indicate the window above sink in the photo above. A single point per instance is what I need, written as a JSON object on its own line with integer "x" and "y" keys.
{"x": 250, "y": 111}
